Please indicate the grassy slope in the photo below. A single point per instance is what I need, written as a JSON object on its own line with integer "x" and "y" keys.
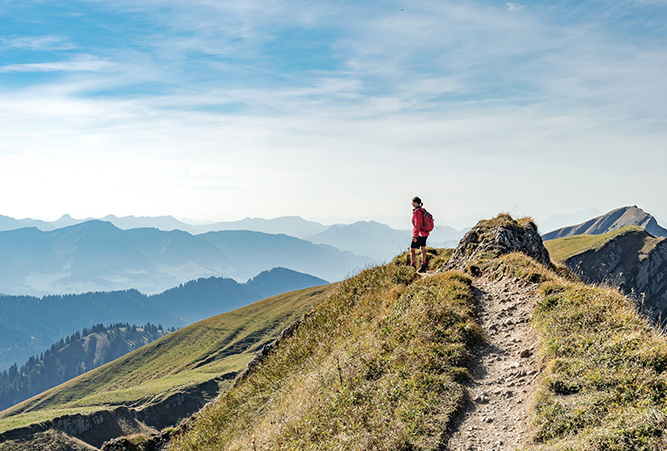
{"x": 378, "y": 365}
{"x": 177, "y": 361}
{"x": 604, "y": 386}
{"x": 563, "y": 248}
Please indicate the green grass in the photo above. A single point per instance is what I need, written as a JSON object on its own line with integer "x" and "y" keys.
{"x": 182, "y": 359}
{"x": 379, "y": 365}
{"x": 604, "y": 383}
{"x": 561, "y": 249}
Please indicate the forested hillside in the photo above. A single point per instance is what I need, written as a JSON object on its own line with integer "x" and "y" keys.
{"x": 71, "y": 357}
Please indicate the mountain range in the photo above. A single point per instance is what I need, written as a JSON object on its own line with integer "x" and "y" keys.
{"x": 367, "y": 238}
{"x": 629, "y": 258}
{"x": 98, "y": 256}
{"x": 157, "y": 385}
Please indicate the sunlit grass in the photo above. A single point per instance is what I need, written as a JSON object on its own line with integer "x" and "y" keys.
{"x": 604, "y": 383}
{"x": 379, "y": 365}
{"x": 193, "y": 355}
{"x": 561, "y": 249}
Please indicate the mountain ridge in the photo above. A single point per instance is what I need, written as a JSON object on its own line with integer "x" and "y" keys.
{"x": 629, "y": 258}
{"x": 613, "y": 220}
{"x": 98, "y": 256}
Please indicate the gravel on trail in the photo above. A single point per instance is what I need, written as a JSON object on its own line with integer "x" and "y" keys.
{"x": 503, "y": 370}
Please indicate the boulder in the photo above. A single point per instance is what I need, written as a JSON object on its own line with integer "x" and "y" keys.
{"x": 498, "y": 236}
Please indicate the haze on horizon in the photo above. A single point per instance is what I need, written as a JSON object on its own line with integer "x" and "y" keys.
{"x": 220, "y": 111}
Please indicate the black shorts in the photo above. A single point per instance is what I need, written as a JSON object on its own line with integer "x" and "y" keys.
{"x": 421, "y": 242}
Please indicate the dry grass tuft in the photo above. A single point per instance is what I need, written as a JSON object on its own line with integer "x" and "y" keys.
{"x": 435, "y": 258}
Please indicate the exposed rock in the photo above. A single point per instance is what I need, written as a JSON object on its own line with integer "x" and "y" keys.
{"x": 494, "y": 237}
{"x": 157, "y": 442}
{"x": 97, "y": 427}
{"x": 635, "y": 262}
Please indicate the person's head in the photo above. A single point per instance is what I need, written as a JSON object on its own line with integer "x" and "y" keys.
{"x": 416, "y": 201}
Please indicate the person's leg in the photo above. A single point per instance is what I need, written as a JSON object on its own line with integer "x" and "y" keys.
{"x": 412, "y": 256}
{"x": 423, "y": 250}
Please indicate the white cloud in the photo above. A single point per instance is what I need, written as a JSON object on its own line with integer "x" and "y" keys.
{"x": 514, "y": 6}
{"x": 478, "y": 109}
{"x": 82, "y": 63}
{"x": 41, "y": 43}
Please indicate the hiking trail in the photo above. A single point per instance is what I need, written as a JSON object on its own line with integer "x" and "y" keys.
{"x": 503, "y": 370}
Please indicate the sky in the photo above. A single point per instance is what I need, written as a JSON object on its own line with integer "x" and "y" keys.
{"x": 332, "y": 110}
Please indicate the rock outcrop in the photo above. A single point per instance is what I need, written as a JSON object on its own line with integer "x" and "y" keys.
{"x": 636, "y": 263}
{"x": 614, "y": 220}
{"x": 498, "y": 236}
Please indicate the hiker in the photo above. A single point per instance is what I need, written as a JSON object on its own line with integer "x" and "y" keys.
{"x": 419, "y": 233}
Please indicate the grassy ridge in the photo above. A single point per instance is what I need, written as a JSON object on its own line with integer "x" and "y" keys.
{"x": 376, "y": 366}
{"x": 604, "y": 387}
{"x": 187, "y": 357}
{"x": 561, "y": 249}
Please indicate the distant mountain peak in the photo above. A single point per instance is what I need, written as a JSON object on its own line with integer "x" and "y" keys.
{"x": 611, "y": 221}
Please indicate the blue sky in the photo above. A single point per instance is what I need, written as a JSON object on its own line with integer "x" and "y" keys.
{"x": 218, "y": 110}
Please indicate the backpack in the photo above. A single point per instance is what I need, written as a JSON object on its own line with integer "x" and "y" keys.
{"x": 428, "y": 223}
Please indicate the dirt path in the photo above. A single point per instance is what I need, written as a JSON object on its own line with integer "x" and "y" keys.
{"x": 503, "y": 371}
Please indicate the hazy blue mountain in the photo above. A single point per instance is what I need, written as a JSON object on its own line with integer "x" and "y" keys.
{"x": 289, "y": 225}
{"x": 281, "y": 280}
{"x": 165, "y": 223}
{"x": 71, "y": 357}
{"x": 380, "y": 241}
{"x": 252, "y": 252}
{"x": 29, "y": 324}
{"x": 98, "y": 256}
{"x": 203, "y": 298}
{"x": 614, "y": 220}
{"x": 370, "y": 238}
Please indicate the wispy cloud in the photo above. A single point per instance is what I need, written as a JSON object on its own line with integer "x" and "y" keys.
{"x": 329, "y": 104}
{"x": 80, "y": 64}
{"x": 40, "y": 43}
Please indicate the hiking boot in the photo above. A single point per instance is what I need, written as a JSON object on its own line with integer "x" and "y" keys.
{"x": 422, "y": 268}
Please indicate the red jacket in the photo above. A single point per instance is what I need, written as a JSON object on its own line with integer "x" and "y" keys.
{"x": 418, "y": 222}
